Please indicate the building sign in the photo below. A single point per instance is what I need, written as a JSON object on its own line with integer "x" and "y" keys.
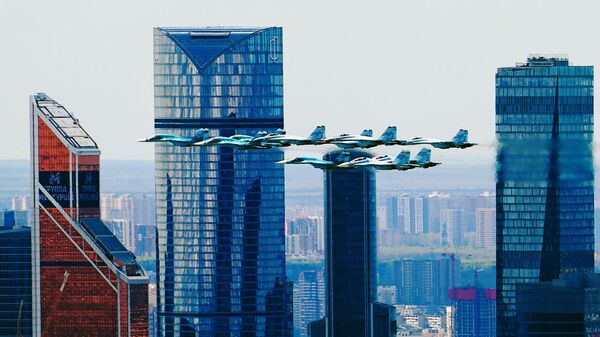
{"x": 57, "y": 185}
{"x": 89, "y": 189}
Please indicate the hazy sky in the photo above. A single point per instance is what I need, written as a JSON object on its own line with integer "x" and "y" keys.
{"x": 426, "y": 66}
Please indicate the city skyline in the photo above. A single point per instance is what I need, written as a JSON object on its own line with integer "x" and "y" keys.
{"x": 429, "y": 60}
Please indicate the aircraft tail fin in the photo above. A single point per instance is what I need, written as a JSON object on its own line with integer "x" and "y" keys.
{"x": 402, "y": 158}
{"x": 424, "y": 156}
{"x": 200, "y": 135}
{"x": 367, "y": 133}
{"x": 318, "y": 133}
{"x": 261, "y": 134}
{"x": 388, "y": 134}
{"x": 461, "y": 137}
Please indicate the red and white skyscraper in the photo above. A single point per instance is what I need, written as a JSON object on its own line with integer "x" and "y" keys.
{"x": 85, "y": 283}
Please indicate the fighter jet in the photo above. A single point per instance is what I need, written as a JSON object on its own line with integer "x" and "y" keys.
{"x": 240, "y": 141}
{"x": 320, "y": 163}
{"x": 199, "y": 136}
{"x": 365, "y": 140}
{"x": 460, "y": 141}
{"x": 280, "y": 138}
{"x": 402, "y": 162}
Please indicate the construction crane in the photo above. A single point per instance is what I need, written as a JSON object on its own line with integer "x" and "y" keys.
{"x": 453, "y": 276}
{"x": 47, "y": 326}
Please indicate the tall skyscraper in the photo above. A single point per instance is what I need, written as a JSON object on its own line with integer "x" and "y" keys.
{"x": 15, "y": 282}
{"x": 350, "y": 250}
{"x": 545, "y": 176}
{"x": 568, "y": 306}
{"x": 85, "y": 283}
{"x": 220, "y": 211}
{"x": 485, "y": 223}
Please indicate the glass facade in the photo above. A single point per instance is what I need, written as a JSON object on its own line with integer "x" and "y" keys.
{"x": 220, "y": 210}
{"x": 544, "y": 176}
{"x": 350, "y": 249}
{"x": 15, "y": 282}
{"x": 85, "y": 283}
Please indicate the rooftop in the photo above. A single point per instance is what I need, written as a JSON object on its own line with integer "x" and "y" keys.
{"x": 64, "y": 122}
{"x": 545, "y": 60}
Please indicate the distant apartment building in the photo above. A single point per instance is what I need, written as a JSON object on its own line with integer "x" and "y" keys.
{"x": 452, "y": 227}
{"x": 389, "y": 237}
{"x": 21, "y": 203}
{"x": 425, "y": 282}
{"x": 84, "y": 281}
{"x": 11, "y": 218}
{"x": 486, "y": 227}
{"x": 473, "y": 312}
{"x": 309, "y": 300}
{"x": 406, "y": 212}
{"x": 421, "y": 214}
{"x": 387, "y": 295}
{"x": 437, "y": 202}
{"x": 15, "y": 281}
{"x": 132, "y": 219}
{"x": 304, "y": 236}
{"x": 392, "y": 213}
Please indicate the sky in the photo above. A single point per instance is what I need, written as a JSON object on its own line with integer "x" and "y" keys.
{"x": 425, "y": 66}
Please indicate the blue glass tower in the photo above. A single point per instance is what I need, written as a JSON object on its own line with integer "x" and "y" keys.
{"x": 350, "y": 249}
{"x": 544, "y": 176}
{"x": 15, "y": 282}
{"x": 220, "y": 211}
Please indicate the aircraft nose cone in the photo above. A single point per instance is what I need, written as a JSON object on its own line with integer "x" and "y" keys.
{"x": 142, "y": 140}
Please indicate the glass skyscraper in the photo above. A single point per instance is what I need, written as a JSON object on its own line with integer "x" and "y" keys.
{"x": 220, "y": 211}
{"x": 15, "y": 281}
{"x": 544, "y": 176}
{"x": 351, "y": 255}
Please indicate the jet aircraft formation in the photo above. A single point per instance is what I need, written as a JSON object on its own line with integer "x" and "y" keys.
{"x": 279, "y": 139}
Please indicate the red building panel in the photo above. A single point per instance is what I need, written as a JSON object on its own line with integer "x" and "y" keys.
{"x": 77, "y": 297}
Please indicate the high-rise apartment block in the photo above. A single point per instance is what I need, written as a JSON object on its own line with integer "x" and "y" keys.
{"x": 485, "y": 222}
{"x": 452, "y": 227}
{"x": 426, "y": 282}
{"x": 437, "y": 202}
{"x": 545, "y": 176}
{"x": 85, "y": 282}
{"x": 392, "y": 221}
{"x": 305, "y": 236}
{"x": 220, "y": 211}
{"x": 421, "y": 214}
{"x": 309, "y": 300}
